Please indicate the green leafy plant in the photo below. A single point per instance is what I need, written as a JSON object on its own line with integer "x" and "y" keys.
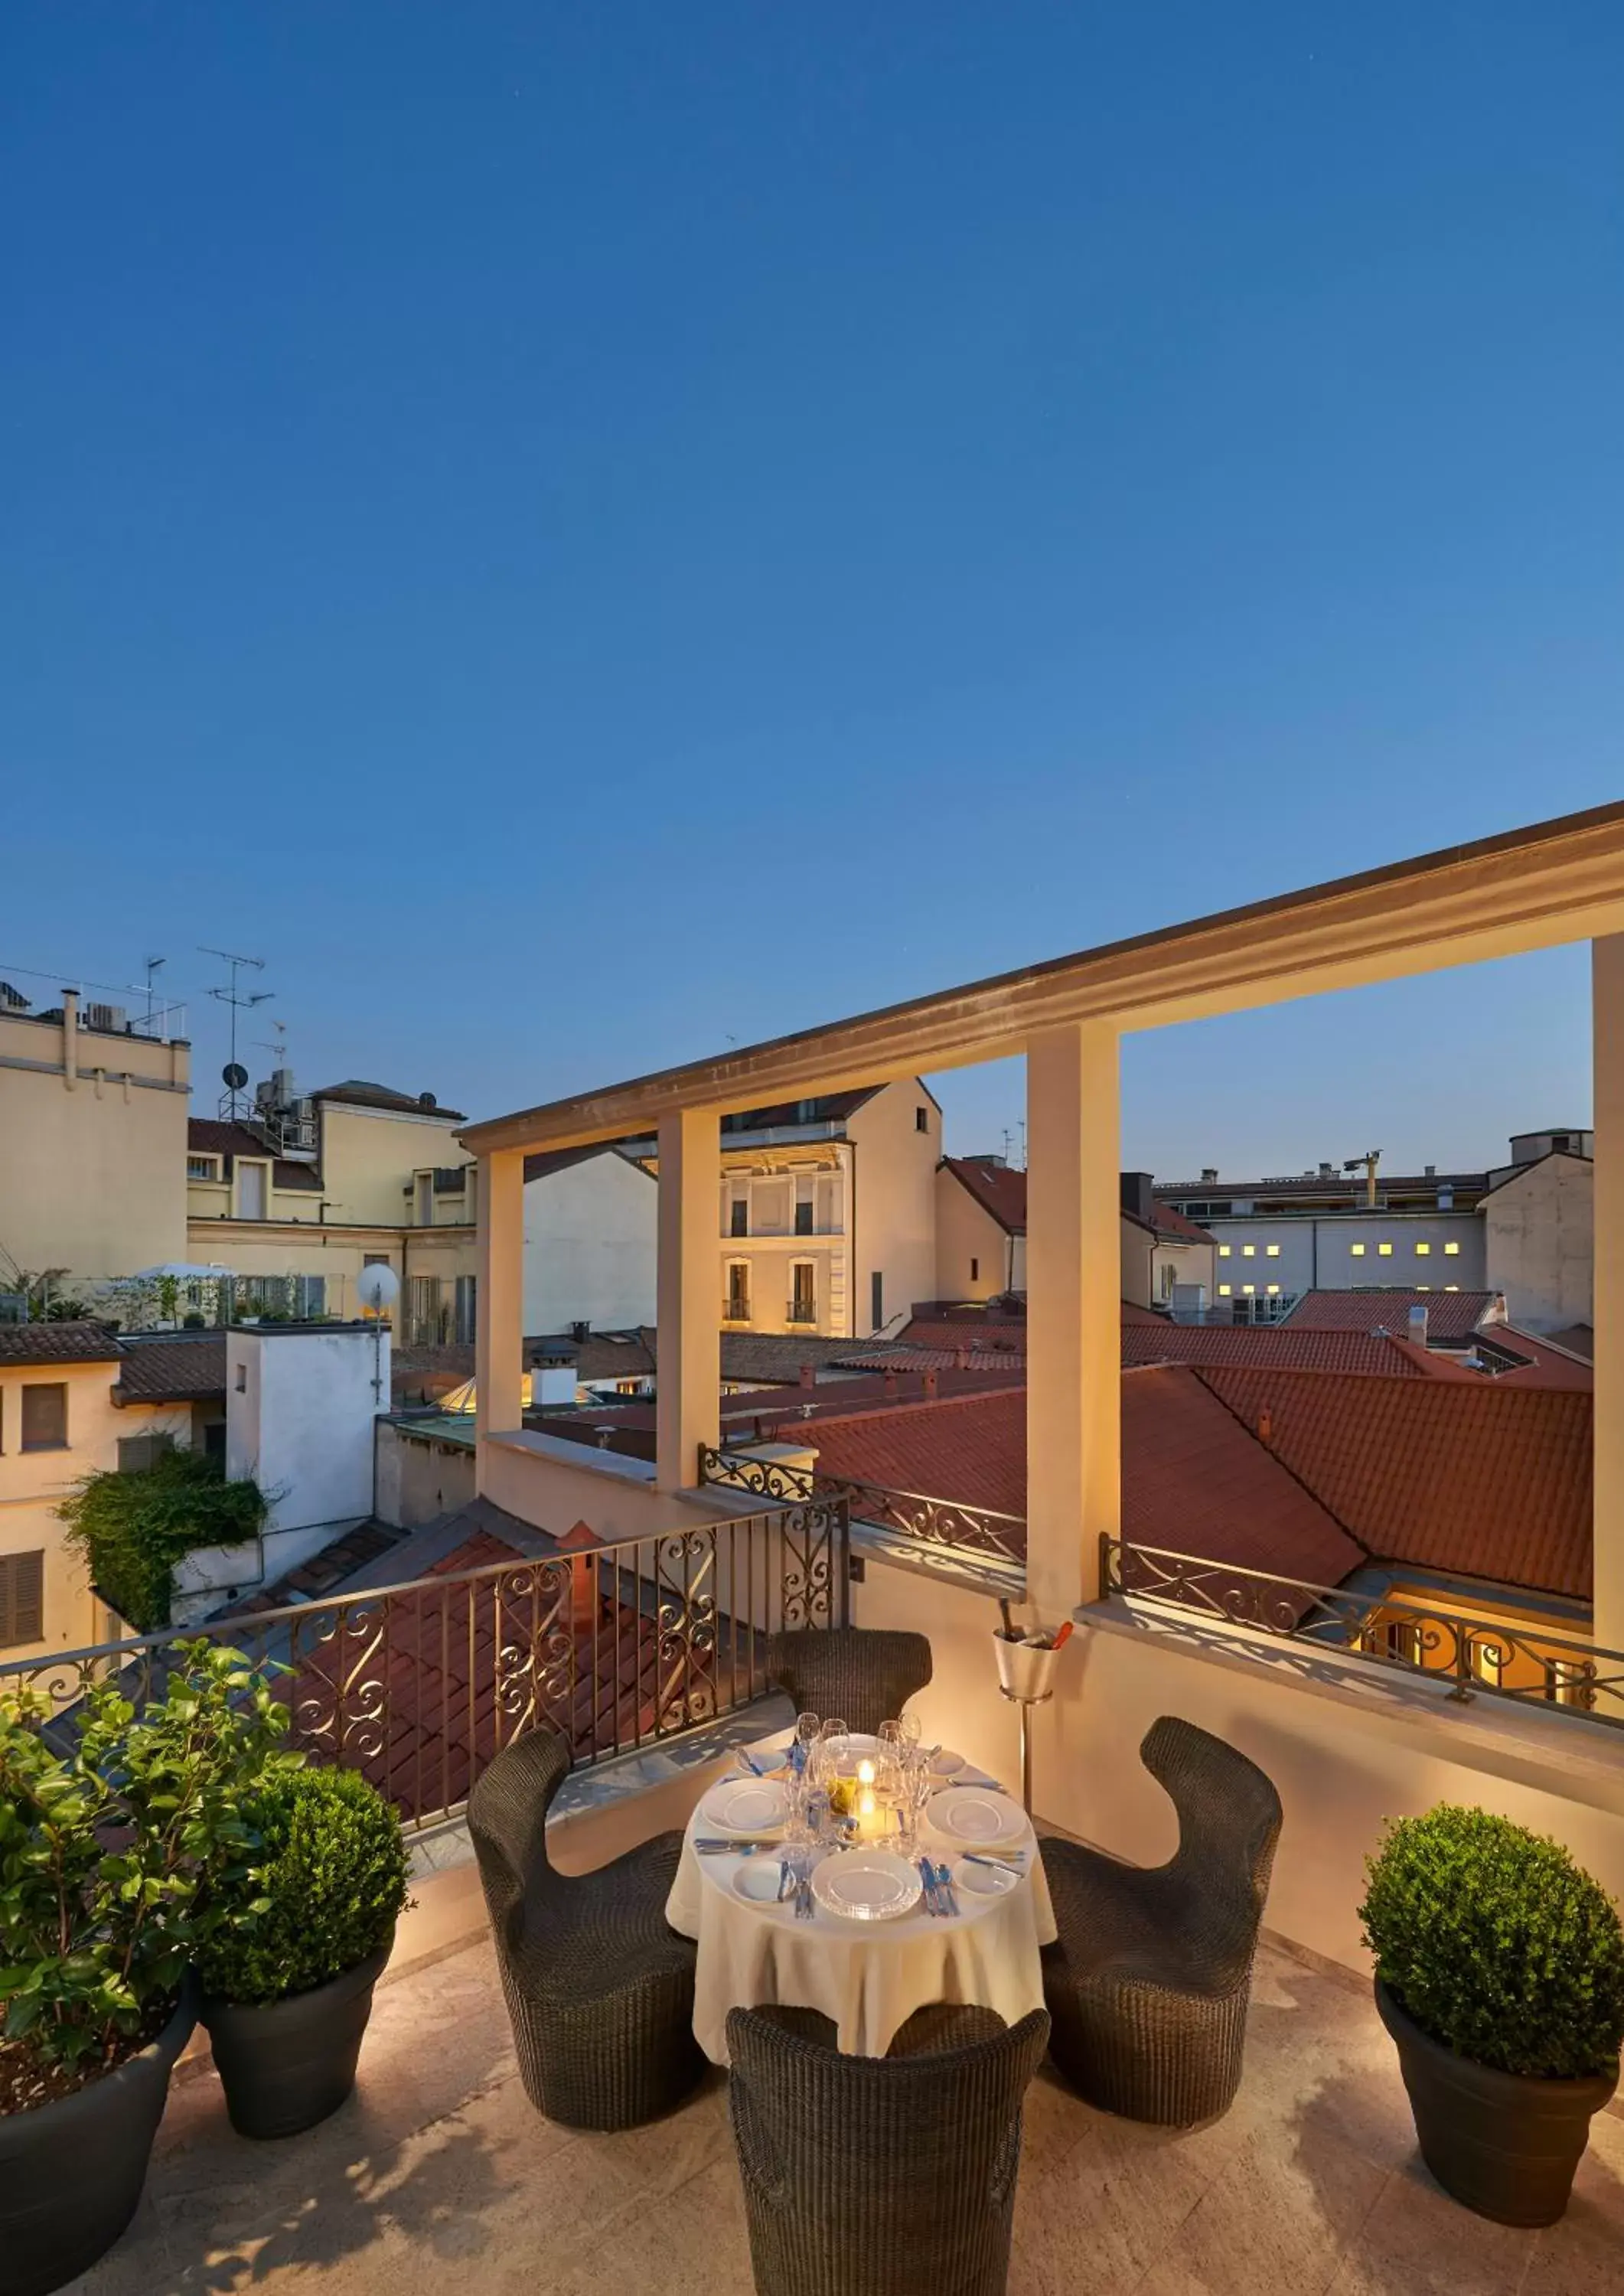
{"x": 321, "y": 1894}
{"x": 104, "y": 1849}
{"x": 133, "y": 1528}
{"x": 1496, "y": 1944}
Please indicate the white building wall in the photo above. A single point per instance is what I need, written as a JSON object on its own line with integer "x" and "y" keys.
{"x": 589, "y": 1252}
{"x": 300, "y": 1409}
{"x": 1317, "y": 1251}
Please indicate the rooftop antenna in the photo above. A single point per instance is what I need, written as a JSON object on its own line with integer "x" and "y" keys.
{"x": 234, "y": 1075}
{"x": 1008, "y": 1142}
{"x": 1023, "y": 1143}
{"x": 154, "y": 965}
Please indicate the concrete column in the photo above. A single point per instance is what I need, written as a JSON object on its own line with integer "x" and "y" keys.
{"x": 689, "y": 1371}
{"x": 1073, "y": 1312}
{"x": 1607, "y": 1025}
{"x": 70, "y": 1037}
{"x": 499, "y": 1308}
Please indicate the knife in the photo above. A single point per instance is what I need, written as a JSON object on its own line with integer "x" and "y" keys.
{"x": 929, "y": 1879}
{"x": 945, "y": 1879}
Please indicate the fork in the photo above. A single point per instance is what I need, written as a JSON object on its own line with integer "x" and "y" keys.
{"x": 804, "y": 1907}
{"x": 927, "y": 1874}
{"x": 943, "y": 1880}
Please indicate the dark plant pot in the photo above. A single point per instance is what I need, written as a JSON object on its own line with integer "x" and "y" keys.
{"x": 71, "y": 2172}
{"x": 1506, "y": 2145}
{"x": 284, "y": 2065}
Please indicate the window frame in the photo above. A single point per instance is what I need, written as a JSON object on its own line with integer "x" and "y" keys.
{"x": 31, "y": 1387}
{"x": 12, "y": 1610}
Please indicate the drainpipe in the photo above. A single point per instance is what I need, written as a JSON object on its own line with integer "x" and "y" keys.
{"x": 70, "y": 1037}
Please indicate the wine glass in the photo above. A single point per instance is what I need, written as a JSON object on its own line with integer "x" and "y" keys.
{"x": 900, "y": 1735}
{"x": 806, "y": 1728}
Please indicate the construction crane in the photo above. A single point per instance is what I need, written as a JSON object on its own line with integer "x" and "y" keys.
{"x": 1367, "y": 1164}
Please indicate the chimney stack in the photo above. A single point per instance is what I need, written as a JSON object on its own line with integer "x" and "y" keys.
{"x": 1418, "y": 1324}
{"x": 1209, "y": 1174}
{"x": 808, "y": 1375}
{"x": 891, "y": 1382}
{"x": 961, "y": 1358}
{"x": 1138, "y": 1196}
{"x": 930, "y": 1386}
{"x": 1265, "y": 1425}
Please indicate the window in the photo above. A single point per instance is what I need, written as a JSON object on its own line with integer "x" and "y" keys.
{"x": 250, "y": 1191}
{"x": 136, "y": 1452}
{"x": 1247, "y": 1289}
{"x": 975, "y": 1270}
{"x": 22, "y": 1596}
{"x": 1452, "y": 1287}
{"x": 1423, "y": 1249}
{"x": 803, "y": 1218}
{"x": 1404, "y": 1641}
{"x": 737, "y": 1310}
{"x": 876, "y": 1299}
{"x": 1384, "y": 1251}
{"x": 1272, "y": 1290}
{"x": 202, "y": 1168}
{"x": 1224, "y": 1251}
{"x": 738, "y": 1215}
{"x": 1224, "y": 1291}
{"x": 242, "y": 1379}
{"x": 1452, "y": 1252}
{"x": 922, "y": 1119}
{"x": 44, "y": 1416}
{"x": 1568, "y": 1681}
{"x": 1249, "y": 1251}
{"x": 1356, "y": 1249}
{"x": 466, "y": 1310}
{"x": 425, "y": 1199}
{"x": 430, "y": 1321}
{"x": 1271, "y": 1250}
{"x": 803, "y": 1297}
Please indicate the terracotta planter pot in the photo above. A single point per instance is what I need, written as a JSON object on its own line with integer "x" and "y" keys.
{"x": 286, "y": 2064}
{"x": 71, "y": 2172}
{"x": 1506, "y": 2145}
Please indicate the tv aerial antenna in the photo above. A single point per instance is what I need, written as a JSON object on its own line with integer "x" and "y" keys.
{"x": 234, "y": 1075}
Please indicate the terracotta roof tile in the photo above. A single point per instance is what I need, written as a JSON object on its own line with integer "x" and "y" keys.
{"x": 1541, "y": 1363}
{"x": 999, "y": 1189}
{"x": 1450, "y": 1314}
{"x": 1279, "y": 1344}
{"x": 207, "y": 1136}
{"x": 1470, "y": 1476}
{"x": 180, "y": 1367}
{"x": 54, "y": 1343}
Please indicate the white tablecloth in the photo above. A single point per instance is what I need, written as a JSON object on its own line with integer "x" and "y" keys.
{"x": 868, "y": 1977}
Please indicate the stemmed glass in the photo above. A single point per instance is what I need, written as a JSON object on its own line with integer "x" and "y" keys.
{"x": 915, "y": 1794}
{"x": 900, "y": 1735}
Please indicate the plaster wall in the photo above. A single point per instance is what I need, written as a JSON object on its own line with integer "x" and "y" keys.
{"x": 894, "y": 1214}
{"x": 589, "y": 1246}
{"x": 1539, "y": 1231}
{"x": 299, "y": 1407}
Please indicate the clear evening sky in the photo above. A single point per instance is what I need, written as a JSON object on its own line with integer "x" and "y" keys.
{"x": 583, "y": 532}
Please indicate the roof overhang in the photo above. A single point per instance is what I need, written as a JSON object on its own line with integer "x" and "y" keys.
{"x": 1532, "y": 888}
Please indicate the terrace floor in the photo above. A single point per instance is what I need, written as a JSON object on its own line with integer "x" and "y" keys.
{"x": 438, "y": 2172}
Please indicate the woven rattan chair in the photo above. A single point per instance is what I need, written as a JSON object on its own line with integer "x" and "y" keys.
{"x": 862, "y": 1675}
{"x": 1148, "y": 1983}
{"x": 880, "y": 2175}
{"x": 599, "y": 1989}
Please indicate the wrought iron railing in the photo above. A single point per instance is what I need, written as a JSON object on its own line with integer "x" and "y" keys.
{"x": 938, "y": 1524}
{"x": 1534, "y": 1665}
{"x": 418, "y": 1685}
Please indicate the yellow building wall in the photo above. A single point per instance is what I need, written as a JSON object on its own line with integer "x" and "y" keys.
{"x": 336, "y": 1254}
{"x": 966, "y": 1232}
{"x": 1516, "y": 1664}
{"x": 894, "y": 1209}
{"x": 93, "y": 1149}
{"x": 33, "y": 1482}
{"x": 368, "y": 1160}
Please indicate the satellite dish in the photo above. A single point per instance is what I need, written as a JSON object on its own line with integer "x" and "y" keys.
{"x": 234, "y": 1074}
{"x": 378, "y": 1287}
{"x": 427, "y": 1100}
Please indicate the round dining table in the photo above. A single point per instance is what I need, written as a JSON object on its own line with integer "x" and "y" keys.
{"x": 866, "y": 1977}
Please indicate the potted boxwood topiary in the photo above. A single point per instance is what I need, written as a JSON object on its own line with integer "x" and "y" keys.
{"x": 1500, "y": 1976}
{"x": 288, "y": 1973}
{"x": 102, "y": 1851}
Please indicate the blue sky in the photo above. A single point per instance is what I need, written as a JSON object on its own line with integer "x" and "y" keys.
{"x": 583, "y": 533}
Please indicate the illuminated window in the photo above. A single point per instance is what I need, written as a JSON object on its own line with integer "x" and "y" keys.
{"x": 1223, "y": 1251}
{"x": 1384, "y": 1250}
{"x": 1224, "y": 1290}
{"x": 1452, "y": 1252}
{"x": 1452, "y": 1287}
{"x": 1356, "y": 1250}
{"x": 1421, "y": 1250}
{"x": 1271, "y": 1289}
{"x": 1423, "y": 1287}
{"x": 1249, "y": 1289}
{"x": 1272, "y": 1251}
{"x": 1249, "y": 1251}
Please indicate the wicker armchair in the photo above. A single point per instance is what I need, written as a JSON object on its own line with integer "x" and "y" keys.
{"x": 1149, "y": 1982}
{"x": 600, "y": 1991}
{"x": 881, "y": 2176}
{"x": 861, "y": 1674}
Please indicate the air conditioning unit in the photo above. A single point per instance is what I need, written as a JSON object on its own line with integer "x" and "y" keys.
{"x": 111, "y": 1019}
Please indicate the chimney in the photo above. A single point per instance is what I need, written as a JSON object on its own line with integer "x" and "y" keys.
{"x": 70, "y": 1037}
{"x": 891, "y": 1382}
{"x": 808, "y": 1375}
{"x": 1136, "y": 1195}
{"x": 961, "y": 1358}
{"x": 1209, "y": 1174}
{"x": 1418, "y": 1324}
{"x": 1265, "y": 1425}
{"x": 930, "y": 1386}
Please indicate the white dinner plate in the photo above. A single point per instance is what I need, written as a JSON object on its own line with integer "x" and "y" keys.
{"x": 945, "y": 1763}
{"x": 743, "y": 1806}
{"x": 865, "y": 1885}
{"x": 984, "y": 1881}
{"x": 758, "y": 1879}
{"x": 975, "y": 1817}
{"x": 853, "y": 1746}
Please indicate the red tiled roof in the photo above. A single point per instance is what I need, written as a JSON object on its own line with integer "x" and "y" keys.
{"x": 951, "y": 1331}
{"x": 1543, "y": 1364}
{"x": 1467, "y": 1476}
{"x": 1193, "y": 1478}
{"x": 999, "y": 1189}
{"x": 357, "y": 1093}
{"x": 1173, "y": 1222}
{"x": 1270, "y": 1344}
{"x": 79, "y": 1341}
{"x": 180, "y": 1367}
{"x": 1450, "y": 1314}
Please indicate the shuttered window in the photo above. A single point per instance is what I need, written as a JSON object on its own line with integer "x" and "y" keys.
{"x": 22, "y": 1598}
{"x": 44, "y": 1415}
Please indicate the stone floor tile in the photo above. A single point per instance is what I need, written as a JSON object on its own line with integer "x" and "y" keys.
{"x": 1418, "y": 2241}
